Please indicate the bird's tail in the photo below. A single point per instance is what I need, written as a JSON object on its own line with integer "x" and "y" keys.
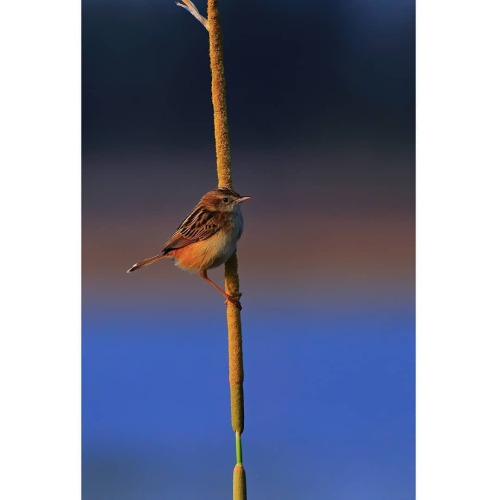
{"x": 147, "y": 262}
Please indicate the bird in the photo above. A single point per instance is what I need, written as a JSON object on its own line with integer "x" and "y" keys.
{"x": 206, "y": 238}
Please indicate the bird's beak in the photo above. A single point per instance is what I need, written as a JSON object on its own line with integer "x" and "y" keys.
{"x": 243, "y": 198}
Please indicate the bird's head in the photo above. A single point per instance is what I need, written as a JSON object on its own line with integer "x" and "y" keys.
{"x": 223, "y": 200}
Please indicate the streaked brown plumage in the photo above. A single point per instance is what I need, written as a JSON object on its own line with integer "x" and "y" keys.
{"x": 207, "y": 237}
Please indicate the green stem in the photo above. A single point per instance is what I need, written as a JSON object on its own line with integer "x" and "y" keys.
{"x": 239, "y": 452}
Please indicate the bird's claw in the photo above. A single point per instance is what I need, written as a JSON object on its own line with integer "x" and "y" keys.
{"x": 234, "y": 299}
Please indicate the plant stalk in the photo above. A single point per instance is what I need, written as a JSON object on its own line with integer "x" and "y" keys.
{"x": 223, "y": 157}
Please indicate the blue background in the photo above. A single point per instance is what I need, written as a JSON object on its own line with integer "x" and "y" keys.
{"x": 329, "y": 405}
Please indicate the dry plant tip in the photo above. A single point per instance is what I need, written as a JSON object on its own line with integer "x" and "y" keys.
{"x": 191, "y": 7}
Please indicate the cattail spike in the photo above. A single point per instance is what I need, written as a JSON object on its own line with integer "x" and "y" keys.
{"x": 239, "y": 482}
{"x": 224, "y": 177}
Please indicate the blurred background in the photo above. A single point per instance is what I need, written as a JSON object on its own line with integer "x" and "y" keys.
{"x": 321, "y": 109}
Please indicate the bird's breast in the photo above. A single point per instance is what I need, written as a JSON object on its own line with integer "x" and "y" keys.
{"x": 213, "y": 251}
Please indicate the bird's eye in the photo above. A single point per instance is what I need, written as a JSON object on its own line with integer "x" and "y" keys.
{"x": 225, "y": 200}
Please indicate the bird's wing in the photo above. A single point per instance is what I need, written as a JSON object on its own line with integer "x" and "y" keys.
{"x": 199, "y": 225}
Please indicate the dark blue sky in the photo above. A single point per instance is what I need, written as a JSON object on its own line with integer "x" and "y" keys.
{"x": 296, "y": 71}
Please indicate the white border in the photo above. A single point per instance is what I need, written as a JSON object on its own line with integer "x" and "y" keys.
{"x": 40, "y": 252}
{"x": 457, "y": 250}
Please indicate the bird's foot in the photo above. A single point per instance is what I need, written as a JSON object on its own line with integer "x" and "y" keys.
{"x": 234, "y": 299}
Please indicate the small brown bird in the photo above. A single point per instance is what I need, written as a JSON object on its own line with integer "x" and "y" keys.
{"x": 207, "y": 237}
